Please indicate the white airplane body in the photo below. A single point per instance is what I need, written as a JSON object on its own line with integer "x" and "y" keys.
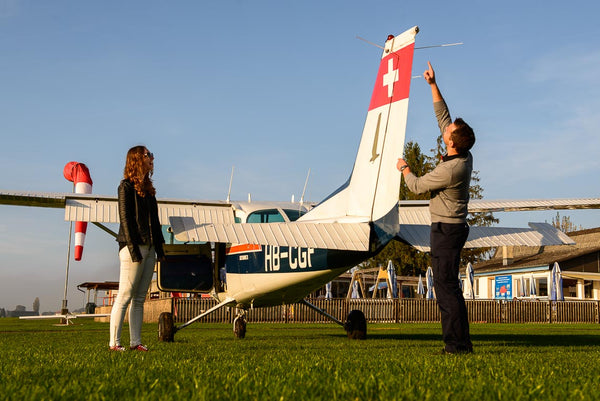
{"x": 277, "y": 253}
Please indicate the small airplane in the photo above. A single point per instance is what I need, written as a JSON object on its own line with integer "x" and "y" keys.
{"x": 66, "y": 318}
{"x": 248, "y": 254}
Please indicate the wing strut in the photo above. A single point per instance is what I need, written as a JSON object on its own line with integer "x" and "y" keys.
{"x": 226, "y": 302}
{"x": 105, "y": 229}
{"x": 321, "y": 311}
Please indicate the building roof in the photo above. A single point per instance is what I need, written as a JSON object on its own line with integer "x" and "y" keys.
{"x": 100, "y": 286}
{"x": 586, "y": 242}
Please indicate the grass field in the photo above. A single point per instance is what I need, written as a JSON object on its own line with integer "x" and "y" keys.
{"x": 295, "y": 362}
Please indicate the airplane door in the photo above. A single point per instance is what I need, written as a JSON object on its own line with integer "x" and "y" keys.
{"x": 188, "y": 268}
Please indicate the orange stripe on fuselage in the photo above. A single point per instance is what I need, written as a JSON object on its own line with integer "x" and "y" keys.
{"x": 244, "y": 248}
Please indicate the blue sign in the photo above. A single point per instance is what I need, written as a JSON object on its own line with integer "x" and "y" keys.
{"x": 503, "y": 287}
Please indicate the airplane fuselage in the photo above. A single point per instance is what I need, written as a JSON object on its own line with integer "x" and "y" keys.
{"x": 271, "y": 275}
{"x": 264, "y": 275}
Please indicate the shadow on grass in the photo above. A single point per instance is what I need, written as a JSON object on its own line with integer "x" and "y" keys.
{"x": 539, "y": 340}
{"x": 517, "y": 339}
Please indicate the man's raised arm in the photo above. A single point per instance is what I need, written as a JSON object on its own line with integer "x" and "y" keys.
{"x": 429, "y": 76}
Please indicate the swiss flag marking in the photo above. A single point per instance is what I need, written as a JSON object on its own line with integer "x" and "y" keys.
{"x": 393, "y": 78}
{"x": 390, "y": 77}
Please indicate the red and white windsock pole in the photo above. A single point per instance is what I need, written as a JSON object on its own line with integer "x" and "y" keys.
{"x": 79, "y": 175}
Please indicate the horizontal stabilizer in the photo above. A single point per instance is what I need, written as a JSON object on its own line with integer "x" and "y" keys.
{"x": 539, "y": 234}
{"x": 343, "y": 236}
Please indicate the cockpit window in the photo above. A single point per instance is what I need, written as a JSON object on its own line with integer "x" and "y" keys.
{"x": 266, "y": 216}
{"x": 293, "y": 214}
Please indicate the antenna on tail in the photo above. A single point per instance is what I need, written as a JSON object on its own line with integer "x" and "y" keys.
{"x": 416, "y": 48}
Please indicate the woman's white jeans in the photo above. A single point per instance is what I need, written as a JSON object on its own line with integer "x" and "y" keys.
{"x": 134, "y": 280}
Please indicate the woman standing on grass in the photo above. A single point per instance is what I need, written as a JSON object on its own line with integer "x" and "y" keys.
{"x": 140, "y": 242}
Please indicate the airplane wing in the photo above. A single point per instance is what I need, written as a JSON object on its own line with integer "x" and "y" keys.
{"x": 204, "y": 221}
{"x": 481, "y": 205}
{"x": 214, "y": 221}
{"x": 66, "y": 316}
{"x": 508, "y": 205}
{"x": 539, "y": 234}
{"x": 104, "y": 209}
{"x": 415, "y": 223}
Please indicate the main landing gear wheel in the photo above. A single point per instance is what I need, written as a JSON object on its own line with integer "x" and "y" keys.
{"x": 239, "y": 325}
{"x": 356, "y": 325}
{"x": 166, "y": 327}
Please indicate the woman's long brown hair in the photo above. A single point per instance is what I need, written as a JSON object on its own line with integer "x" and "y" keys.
{"x": 134, "y": 171}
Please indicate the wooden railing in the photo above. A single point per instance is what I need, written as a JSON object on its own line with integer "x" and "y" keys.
{"x": 397, "y": 311}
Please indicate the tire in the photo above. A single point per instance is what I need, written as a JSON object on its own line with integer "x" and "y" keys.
{"x": 356, "y": 325}
{"x": 239, "y": 327}
{"x": 166, "y": 327}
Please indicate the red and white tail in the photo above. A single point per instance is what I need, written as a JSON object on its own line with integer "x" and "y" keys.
{"x": 374, "y": 186}
{"x": 79, "y": 174}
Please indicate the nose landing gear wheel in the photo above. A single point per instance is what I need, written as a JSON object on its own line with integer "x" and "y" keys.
{"x": 239, "y": 325}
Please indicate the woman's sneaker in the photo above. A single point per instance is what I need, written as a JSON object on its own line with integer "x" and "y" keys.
{"x": 139, "y": 347}
{"x": 118, "y": 348}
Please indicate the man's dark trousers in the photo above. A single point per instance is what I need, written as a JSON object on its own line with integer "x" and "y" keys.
{"x": 447, "y": 240}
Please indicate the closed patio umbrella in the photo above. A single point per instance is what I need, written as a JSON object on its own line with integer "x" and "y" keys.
{"x": 354, "y": 294}
{"x": 532, "y": 289}
{"x": 328, "y": 294}
{"x": 429, "y": 281}
{"x": 392, "y": 292}
{"x": 354, "y": 283}
{"x": 469, "y": 283}
{"x": 420, "y": 287}
{"x": 556, "y": 289}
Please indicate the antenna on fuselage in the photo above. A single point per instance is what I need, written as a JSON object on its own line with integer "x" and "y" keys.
{"x": 230, "y": 182}
{"x": 304, "y": 190}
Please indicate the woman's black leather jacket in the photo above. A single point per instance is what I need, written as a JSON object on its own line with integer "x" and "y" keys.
{"x": 139, "y": 221}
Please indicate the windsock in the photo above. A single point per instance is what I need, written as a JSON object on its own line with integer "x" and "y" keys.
{"x": 79, "y": 175}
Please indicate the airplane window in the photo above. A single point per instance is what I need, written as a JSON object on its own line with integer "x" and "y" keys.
{"x": 293, "y": 214}
{"x": 265, "y": 216}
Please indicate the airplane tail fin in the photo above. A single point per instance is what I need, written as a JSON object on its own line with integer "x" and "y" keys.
{"x": 374, "y": 185}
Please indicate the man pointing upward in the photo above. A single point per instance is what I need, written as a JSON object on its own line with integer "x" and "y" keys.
{"x": 449, "y": 186}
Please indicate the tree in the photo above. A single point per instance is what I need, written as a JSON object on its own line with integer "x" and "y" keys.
{"x": 419, "y": 164}
{"x": 408, "y": 260}
{"x": 564, "y": 224}
{"x": 36, "y": 305}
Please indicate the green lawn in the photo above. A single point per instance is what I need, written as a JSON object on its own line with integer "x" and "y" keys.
{"x": 291, "y": 362}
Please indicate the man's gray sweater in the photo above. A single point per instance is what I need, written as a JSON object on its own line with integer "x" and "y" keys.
{"x": 448, "y": 182}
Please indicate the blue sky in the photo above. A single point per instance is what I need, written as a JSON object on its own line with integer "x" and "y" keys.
{"x": 274, "y": 88}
